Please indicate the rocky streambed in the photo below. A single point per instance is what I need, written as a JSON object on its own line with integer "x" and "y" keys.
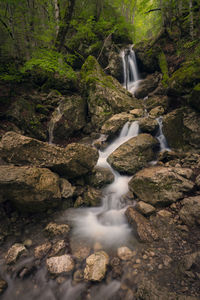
{"x": 42, "y": 185}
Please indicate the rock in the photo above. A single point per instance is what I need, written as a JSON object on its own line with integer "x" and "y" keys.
{"x": 164, "y": 213}
{"x": 188, "y": 261}
{"x": 100, "y": 177}
{"x": 3, "y": 285}
{"x": 115, "y": 66}
{"x": 42, "y": 250}
{"x": 67, "y": 190}
{"x": 73, "y": 161}
{"x": 155, "y": 101}
{"x": 14, "y": 252}
{"x": 30, "y": 188}
{"x": 96, "y": 266}
{"x": 156, "y": 112}
{"x": 115, "y": 123}
{"x": 145, "y": 208}
{"x": 105, "y": 95}
{"x": 57, "y": 229}
{"x": 71, "y": 120}
{"x": 144, "y": 229}
{"x": 181, "y": 128}
{"x": 22, "y": 112}
{"x": 197, "y": 181}
{"x": 148, "y": 125}
{"x": 137, "y": 112}
{"x": 60, "y": 264}
{"x": 92, "y": 197}
{"x": 80, "y": 249}
{"x": 28, "y": 243}
{"x": 194, "y": 97}
{"x": 190, "y": 212}
{"x": 146, "y": 86}
{"x": 160, "y": 185}
{"x": 124, "y": 253}
{"x": 166, "y": 156}
{"x": 134, "y": 154}
{"x": 57, "y": 248}
{"x": 151, "y": 290}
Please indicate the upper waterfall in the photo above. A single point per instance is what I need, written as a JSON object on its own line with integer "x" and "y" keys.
{"x": 130, "y": 69}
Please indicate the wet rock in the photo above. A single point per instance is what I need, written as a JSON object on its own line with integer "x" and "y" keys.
{"x": 105, "y": 94}
{"x": 197, "y": 181}
{"x": 57, "y": 248}
{"x": 80, "y": 250}
{"x": 96, "y": 266}
{"x": 3, "y": 285}
{"x": 28, "y": 243}
{"x": 100, "y": 177}
{"x": 137, "y": 112}
{"x": 189, "y": 260}
{"x": 115, "y": 123}
{"x": 72, "y": 118}
{"x": 42, "y": 250}
{"x": 144, "y": 229}
{"x": 115, "y": 66}
{"x": 73, "y": 161}
{"x": 161, "y": 185}
{"x": 190, "y": 212}
{"x": 146, "y": 86}
{"x": 57, "y": 229}
{"x": 145, "y": 208}
{"x": 14, "y": 253}
{"x": 60, "y": 264}
{"x": 181, "y": 127}
{"x": 148, "y": 125}
{"x": 30, "y": 188}
{"x": 124, "y": 253}
{"x": 166, "y": 156}
{"x": 134, "y": 154}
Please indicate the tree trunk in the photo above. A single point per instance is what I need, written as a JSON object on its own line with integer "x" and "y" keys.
{"x": 99, "y": 8}
{"x": 191, "y": 19}
{"x": 57, "y": 15}
{"x": 64, "y": 27}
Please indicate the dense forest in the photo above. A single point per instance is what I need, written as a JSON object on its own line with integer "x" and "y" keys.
{"x": 100, "y": 149}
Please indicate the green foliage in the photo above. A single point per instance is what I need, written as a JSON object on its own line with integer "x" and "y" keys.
{"x": 50, "y": 61}
{"x": 164, "y": 68}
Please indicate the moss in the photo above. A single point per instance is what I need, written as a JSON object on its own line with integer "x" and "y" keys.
{"x": 197, "y": 88}
{"x": 187, "y": 77}
{"x": 164, "y": 68}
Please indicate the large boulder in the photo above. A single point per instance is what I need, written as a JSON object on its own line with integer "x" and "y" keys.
{"x": 144, "y": 229}
{"x": 148, "y": 125}
{"x": 30, "y": 188}
{"x": 105, "y": 95}
{"x": 115, "y": 66}
{"x": 147, "y": 85}
{"x": 134, "y": 154}
{"x": 161, "y": 185}
{"x": 115, "y": 123}
{"x": 68, "y": 119}
{"x": 181, "y": 127}
{"x": 100, "y": 176}
{"x": 96, "y": 266}
{"x": 60, "y": 264}
{"x": 190, "y": 212}
{"x": 73, "y": 161}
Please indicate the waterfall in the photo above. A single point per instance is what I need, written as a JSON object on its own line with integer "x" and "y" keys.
{"x": 130, "y": 70}
{"x": 107, "y": 223}
{"x": 160, "y": 136}
{"x": 56, "y": 116}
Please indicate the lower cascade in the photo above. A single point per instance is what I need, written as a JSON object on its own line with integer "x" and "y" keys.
{"x": 107, "y": 223}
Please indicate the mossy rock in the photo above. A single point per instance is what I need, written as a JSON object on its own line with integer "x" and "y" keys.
{"x": 186, "y": 78}
{"x": 194, "y": 97}
{"x": 105, "y": 96}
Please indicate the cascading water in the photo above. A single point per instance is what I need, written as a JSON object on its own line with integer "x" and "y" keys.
{"x": 160, "y": 136}
{"x": 56, "y": 116}
{"x": 107, "y": 224}
{"x": 130, "y": 70}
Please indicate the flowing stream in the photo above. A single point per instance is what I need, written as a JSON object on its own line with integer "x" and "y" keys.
{"x": 107, "y": 223}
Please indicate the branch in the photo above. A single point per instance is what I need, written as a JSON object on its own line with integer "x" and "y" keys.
{"x": 152, "y": 10}
{"x": 8, "y": 29}
{"x": 104, "y": 45}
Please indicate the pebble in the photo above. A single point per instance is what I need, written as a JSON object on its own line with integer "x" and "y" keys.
{"x": 160, "y": 267}
{"x": 138, "y": 261}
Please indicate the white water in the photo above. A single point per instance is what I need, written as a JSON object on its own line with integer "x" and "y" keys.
{"x": 160, "y": 136}
{"x": 56, "y": 116}
{"x": 130, "y": 70}
{"x": 107, "y": 224}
